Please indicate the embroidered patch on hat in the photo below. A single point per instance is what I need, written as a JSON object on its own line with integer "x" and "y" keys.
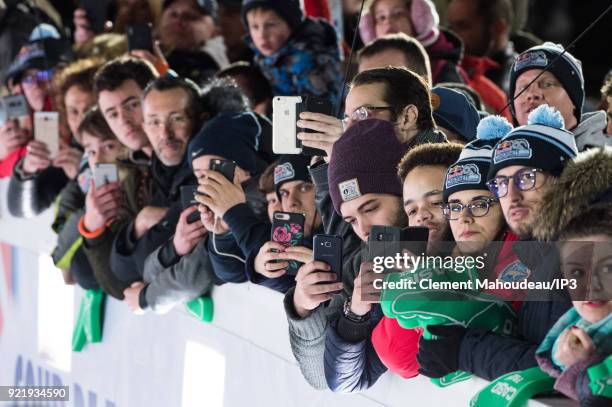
{"x": 512, "y": 149}
{"x": 515, "y": 271}
{"x": 283, "y": 172}
{"x": 463, "y": 174}
{"x": 534, "y": 58}
{"x": 349, "y": 190}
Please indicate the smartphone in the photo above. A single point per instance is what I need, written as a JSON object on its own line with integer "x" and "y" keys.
{"x": 188, "y": 193}
{"x": 105, "y": 174}
{"x": 288, "y": 230}
{"x": 46, "y": 130}
{"x": 414, "y": 239}
{"x": 284, "y": 130}
{"x": 315, "y": 105}
{"x": 388, "y": 241}
{"x": 140, "y": 37}
{"x": 225, "y": 167}
{"x": 96, "y": 13}
{"x": 328, "y": 249}
{"x": 13, "y": 107}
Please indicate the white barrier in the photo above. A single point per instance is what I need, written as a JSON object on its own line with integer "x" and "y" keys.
{"x": 242, "y": 359}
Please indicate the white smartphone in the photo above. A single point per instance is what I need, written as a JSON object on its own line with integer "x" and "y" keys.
{"x": 105, "y": 174}
{"x": 284, "y": 111}
{"x": 46, "y": 130}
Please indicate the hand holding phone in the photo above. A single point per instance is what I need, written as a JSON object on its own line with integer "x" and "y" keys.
{"x": 284, "y": 114}
{"x": 288, "y": 230}
{"x": 317, "y": 106}
{"x": 328, "y": 249}
{"x": 13, "y": 107}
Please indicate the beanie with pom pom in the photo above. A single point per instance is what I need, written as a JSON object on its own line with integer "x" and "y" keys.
{"x": 470, "y": 171}
{"x": 542, "y": 143}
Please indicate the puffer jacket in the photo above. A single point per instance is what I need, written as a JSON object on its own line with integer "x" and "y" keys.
{"x": 591, "y": 131}
{"x": 309, "y": 64}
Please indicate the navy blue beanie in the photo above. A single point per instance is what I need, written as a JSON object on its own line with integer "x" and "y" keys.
{"x": 456, "y": 113}
{"x": 231, "y": 136}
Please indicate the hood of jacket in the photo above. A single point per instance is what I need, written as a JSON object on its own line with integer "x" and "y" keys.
{"x": 448, "y": 47}
{"x": 582, "y": 182}
{"x": 591, "y": 131}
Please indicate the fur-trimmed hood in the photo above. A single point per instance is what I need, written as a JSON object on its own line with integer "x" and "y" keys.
{"x": 583, "y": 181}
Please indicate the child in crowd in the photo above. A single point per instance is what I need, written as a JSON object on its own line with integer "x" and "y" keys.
{"x": 298, "y": 55}
{"x": 579, "y": 215}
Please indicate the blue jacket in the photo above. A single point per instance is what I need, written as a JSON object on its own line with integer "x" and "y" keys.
{"x": 351, "y": 362}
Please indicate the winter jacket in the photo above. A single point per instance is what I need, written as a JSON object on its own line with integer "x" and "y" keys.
{"x": 183, "y": 279}
{"x": 591, "y": 131}
{"x": 492, "y": 96}
{"x": 29, "y": 195}
{"x": 445, "y": 57}
{"x": 136, "y": 185}
{"x": 308, "y": 335}
{"x": 129, "y": 254}
{"x": 8, "y": 164}
{"x": 489, "y": 355}
{"x": 225, "y": 250}
{"x": 308, "y": 64}
{"x": 500, "y": 75}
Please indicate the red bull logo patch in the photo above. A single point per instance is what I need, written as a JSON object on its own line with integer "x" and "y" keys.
{"x": 512, "y": 149}
{"x": 283, "y": 172}
{"x": 532, "y": 59}
{"x": 463, "y": 174}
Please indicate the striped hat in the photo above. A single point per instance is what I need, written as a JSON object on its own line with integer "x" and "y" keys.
{"x": 542, "y": 143}
{"x": 472, "y": 168}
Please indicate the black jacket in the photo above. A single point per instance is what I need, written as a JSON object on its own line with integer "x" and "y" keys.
{"x": 489, "y": 355}
{"x": 128, "y": 254}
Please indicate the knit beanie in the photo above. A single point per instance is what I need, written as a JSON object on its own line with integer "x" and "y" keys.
{"x": 567, "y": 69}
{"x": 364, "y": 161}
{"x": 423, "y": 17}
{"x": 472, "y": 168}
{"x": 289, "y": 10}
{"x": 290, "y": 167}
{"x": 542, "y": 143}
{"x": 231, "y": 136}
{"x": 455, "y": 112}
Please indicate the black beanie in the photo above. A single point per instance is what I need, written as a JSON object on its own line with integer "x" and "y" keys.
{"x": 290, "y": 168}
{"x": 289, "y": 10}
{"x": 567, "y": 69}
{"x": 231, "y": 136}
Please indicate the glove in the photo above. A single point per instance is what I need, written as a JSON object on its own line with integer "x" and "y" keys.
{"x": 440, "y": 356}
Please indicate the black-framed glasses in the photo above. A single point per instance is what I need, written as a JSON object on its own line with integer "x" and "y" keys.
{"x": 363, "y": 113}
{"x": 477, "y": 208}
{"x": 37, "y": 77}
{"x": 524, "y": 180}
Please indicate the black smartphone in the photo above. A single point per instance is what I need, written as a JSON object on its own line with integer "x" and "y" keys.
{"x": 315, "y": 105}
{"x": 97, "y": 14}
{"x": 225, "y": 167}
{"x": 414, "y": 239}
{"x": 328, "y": 249}
{"x": 288, "y": 230}
{"x": 188, "y": 193}
{"x": 140, "y": 37}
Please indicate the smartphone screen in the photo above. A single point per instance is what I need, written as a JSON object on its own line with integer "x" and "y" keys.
{"x": 96, "y": 13}
{"x": 46, "y": 130}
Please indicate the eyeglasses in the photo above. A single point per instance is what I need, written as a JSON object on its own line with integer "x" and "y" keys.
{"x": 37, "y": 77}
{"x": 362, "y": 113}
{"x": 524, "y": 180}
{"x": 543, "y": 85}
{"x": 174, "y": 123}
{"x": 477, "y": 208}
